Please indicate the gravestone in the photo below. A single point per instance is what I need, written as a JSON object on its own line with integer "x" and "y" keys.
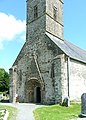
{"x": 83, "y": 106}
{"x": 66, "y": 102}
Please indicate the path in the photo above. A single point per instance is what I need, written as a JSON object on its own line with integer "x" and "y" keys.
{"x": 25, "y": 110}
{"x": 79, "y": 119}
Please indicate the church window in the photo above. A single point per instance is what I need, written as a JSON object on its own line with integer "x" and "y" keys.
{"x": 55, "y": 13}
{"x": 52, "y": 71}
{"x": 20, "y": 77}
{"x": 35, "y": 11}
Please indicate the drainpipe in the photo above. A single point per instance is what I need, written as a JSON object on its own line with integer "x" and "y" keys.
{"x": 68, "y": 74}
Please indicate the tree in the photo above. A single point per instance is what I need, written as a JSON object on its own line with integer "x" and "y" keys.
{"x": 4, "y": 80}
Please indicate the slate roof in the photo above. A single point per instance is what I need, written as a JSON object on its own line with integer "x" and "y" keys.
{"x": 68, "y": 48}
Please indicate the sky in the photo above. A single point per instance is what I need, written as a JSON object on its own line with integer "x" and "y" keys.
{"x": 13, "y": 27}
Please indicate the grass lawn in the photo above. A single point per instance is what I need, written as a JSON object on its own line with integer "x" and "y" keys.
{"x": 57, "y": 112}
{"x": 12, "y": 112}
{"x": 0, "y": 114}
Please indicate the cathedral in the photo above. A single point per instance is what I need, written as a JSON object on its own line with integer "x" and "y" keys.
{"x": 48, "y": 67}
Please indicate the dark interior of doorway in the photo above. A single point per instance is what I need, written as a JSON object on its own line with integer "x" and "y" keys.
{"x": 38, "y": 95}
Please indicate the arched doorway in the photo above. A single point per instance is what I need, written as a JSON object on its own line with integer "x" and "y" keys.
{"x": 33, "y": 91}
{"x": 38, "y": 95}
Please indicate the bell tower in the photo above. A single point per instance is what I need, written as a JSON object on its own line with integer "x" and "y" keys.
{"x": 54, "y": 17}
{"x": 44, "y": 16}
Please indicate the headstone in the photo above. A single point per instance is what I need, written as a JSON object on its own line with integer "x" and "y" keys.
{"x": 66, "y": 102}
{"x": 83, "y": 106}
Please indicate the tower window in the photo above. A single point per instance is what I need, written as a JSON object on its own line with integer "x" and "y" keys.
{"x": 55, "y": 13}
{"x": 35, "y": 11}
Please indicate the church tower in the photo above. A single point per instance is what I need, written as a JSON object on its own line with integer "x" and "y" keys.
{"x": 44, "y": 16}
{"x": 38, "y": 76}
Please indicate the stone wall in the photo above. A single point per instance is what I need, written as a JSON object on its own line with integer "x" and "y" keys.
{"x": 45, "y": 20}
{"x": 50, "y": 70}
{"x": 53, "y": 26}
{"x": 43, "y": 71}
{"x": 45, "y": 50}
{"x": 13, "y": 83}
{"x": 35, "y": 26}
{"x": 77, "y": 79}
{"x": 57, "y": 79}
{"x": 52, "y": 73}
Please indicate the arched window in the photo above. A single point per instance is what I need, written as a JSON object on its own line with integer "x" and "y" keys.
{"x": 35, "y": 11}
{"x": 55, "y": 13}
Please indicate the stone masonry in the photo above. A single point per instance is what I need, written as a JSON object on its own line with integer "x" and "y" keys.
{"x": 43, "y": 72}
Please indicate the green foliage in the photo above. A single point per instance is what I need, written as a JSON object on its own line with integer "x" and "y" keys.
{"x": 12, "y": 111}
{"x": 4, "y": 80}
{"x": 57, "y": 112}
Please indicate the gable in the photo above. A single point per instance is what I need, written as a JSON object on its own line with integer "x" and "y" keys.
{"x": 20, "y": 55}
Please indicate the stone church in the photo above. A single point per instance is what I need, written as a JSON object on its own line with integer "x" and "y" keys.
{"x": 48, "y": 67}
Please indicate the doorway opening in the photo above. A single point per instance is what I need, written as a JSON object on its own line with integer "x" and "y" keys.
{"x": 33, "y": 91}
{"x": 38, "y": 95}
